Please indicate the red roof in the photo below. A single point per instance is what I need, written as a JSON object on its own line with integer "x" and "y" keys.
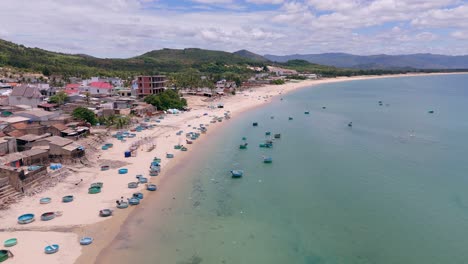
{"x": 72, "y": 86}
{"x": 101, "y": 85}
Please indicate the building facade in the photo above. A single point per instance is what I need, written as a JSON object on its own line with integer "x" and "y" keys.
{"x": 148, "y": 85}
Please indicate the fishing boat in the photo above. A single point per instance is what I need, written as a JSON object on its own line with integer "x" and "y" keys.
{"x": 10, "y": 242}
{"x": 134, "y": 201}
{"x": 266, "y": 145}
{"x": 97, "y": 184}
{"x": 158, "y": 160}
{"x": 184, "y": 149}
{"x": 177, "y": 146}
{"x": 277, "y": 136}
{"x": 272, "y": 117}
{"x": 255, "y": 124}
{"x": 94, "y": 190}
{"x": 169, "y": 155}
{"x": 306, "y": 112}
{"x": 132, "y": 185}
{"x": 143, "y": 180}
{"x": 267, "y": 133}
{"x": 67, "y": 199}
{"x": 151, "y": 187}
{"x": 47, "y": 216}
{"x": 51, "y": 249}
{"x": 5, "y": 254}
{"x": 123, "y": 171}
{"x": 324, "y": 107}
{"x": 105, "y": 212}
{"x": 26, "y": 219}
{"x": 350, "y": 124}
{"x": 290, "y": 118}
{"x": 86, "y": 241}
{"x": 237, "y": 173}
{"x": 267, "y": 160}
{"x": 154, "y": 173}
{"x": 45, "y": 200}
{"x": 244, "y": 138}
{"x": 431, "y": 111}
{"x": 138, "y": 195}
{"x": 243, "y": 146}
{"x": 122, "y": 205}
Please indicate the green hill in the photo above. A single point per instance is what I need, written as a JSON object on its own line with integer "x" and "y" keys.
{"x": 250, "y": 55}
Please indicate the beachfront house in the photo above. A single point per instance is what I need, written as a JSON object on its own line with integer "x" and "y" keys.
{"x": 26, "y": 95}
{"x": 148, "y": 85}
{"x": 99, "y": 89}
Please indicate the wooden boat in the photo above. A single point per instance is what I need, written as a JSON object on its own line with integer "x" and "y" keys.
{"x": 132, "y": 185}
{"x": 10, "y": 242}
{"x": 138, "y": 195}
{"x": 237, "y": 173}
{"x": 105, "y": 168}
{"x": 177, "y": 146}
{"x": 122, "y": 205}
{"x": 123, "y": 171}
{"x": 243, "y": 146}
{"x": 5, "y": 254}
{"x": 94, "y": 190}
{"x": 267, "y": 160}
{"x": 105, "y": 212}
{"x": 277, "y": 136}
{"x": 134, "y": 201}
{"x": 169, "y": 156}
{"x": 255, "y": 124}
{"x": 26, "y": 219}
{"x": 51, "y": 249}
{"x": 86, "y": 241}
{"x": 97, "y": 184}
{"x": 45, "y": 200}
{"x": 67, "y": 199}
{"x": 151, "y": 187}
{"x": 47, "y": 216}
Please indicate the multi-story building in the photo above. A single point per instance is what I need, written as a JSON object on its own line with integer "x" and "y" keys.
{"x": 148, "y": 85}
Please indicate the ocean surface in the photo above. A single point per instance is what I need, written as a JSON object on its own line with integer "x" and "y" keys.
{"x": 393, "y": 188}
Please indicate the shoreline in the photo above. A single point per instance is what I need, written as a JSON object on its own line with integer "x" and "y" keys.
{"x": 81, "y": 217}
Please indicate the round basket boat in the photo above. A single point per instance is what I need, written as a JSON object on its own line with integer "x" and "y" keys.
{"x": 154, "y": 173}
{"x": 151, "y": 187}
{"x": 123, "y": 171}
{"x": 97, "y": 184}
{"x": 67, "y": 199}
{"x": 86, "y": 241}
{"x": 132, "y": 185}
{"x": 143, "y": 180}
{"x": 26, "y": 219}
{"x": 10, "y": 242}
{"x": 169, "y": 156}
{"x": 51, "y": 249}
{"x": 105, "y": 212}
{"x": 94, "y": 190}
{"x": 4, "y": 255}
{"x": 45, "y": 200}
{"x": 105, "y": 167}
{"x": 47, "y": 216}
{"x": 138, "y": 195}
{"x": 122, "y": 205}
{"x": 134, "y": 201}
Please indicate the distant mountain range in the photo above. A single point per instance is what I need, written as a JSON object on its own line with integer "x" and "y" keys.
{"x": 412, "y": 61}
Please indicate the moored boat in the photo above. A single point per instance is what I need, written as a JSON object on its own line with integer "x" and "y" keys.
{"x": 431, "y": 111}
{"x": 67, "y": 199}
{"x": 51, "y": 249}
{"x": 350, "y": 124}
{"x": 306, "y": 112}
{"x": 267, "y": 133}
{"x": 105, "y": 212}
{"x": 243, "y": 146}
{"x": 10, "y": 242}
{"x": 169, "y": 155}
{"x": 26, "y": 219}
{"x": 151, "y": 187}
{"x": 45, "y": 200}
{"x": 86, "y": 241}
{"x": 255, "y": 124}
{"x": 104, "y": 168}
{"x": 47, "y": 216}
{"x": 237, "y": 173}
{"x": 277, "y": 136}
{"x": 290, "y": 118}
{"x": 267, "y": 160}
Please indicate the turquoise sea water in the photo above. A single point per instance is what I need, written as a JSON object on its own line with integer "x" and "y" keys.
{"x": 391, "y": 189}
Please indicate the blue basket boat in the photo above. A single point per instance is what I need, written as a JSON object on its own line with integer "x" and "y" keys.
{"x": 151, "y": 187}
{"x": 143, "y": 180}
{"x": 138, "y": 195}
{"x": 123, "y": 171}
{"x": 47, "y": 216}
{"x": 45, "y": 200}
{"x": 86, "y": 241}
{"x": 132, "y": 185}
{"x": 67, "y": 199}
{"x": 122, "y": 205}
{"x": 105, "y": 212}
{"x": 237, "y": 173}
{"x": 26, "y": 219}
{"x": 51, "y": 249}
{"x": 267, "y": 160}
{"x": 134, "y": 201}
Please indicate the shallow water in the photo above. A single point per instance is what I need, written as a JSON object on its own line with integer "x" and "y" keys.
{"x": 390, "y": 189}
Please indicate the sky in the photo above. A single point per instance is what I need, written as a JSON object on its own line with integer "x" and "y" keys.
{"x": 126, "y": 28}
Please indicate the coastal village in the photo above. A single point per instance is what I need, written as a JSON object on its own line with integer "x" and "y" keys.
{"x": 50, "y": 158}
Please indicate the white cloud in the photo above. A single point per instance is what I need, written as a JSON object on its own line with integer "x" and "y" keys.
{"x": 261, "y": 2}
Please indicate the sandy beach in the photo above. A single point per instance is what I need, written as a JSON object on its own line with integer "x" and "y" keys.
{"x": 81, "y": 217}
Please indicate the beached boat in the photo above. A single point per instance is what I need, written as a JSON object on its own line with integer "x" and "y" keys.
{"x": 123, "y": 171}
{"x": 67, "y": 199}
{"x": 132, "y": 185}
{"x": 47, "y": 216}
{"x": 138, "y": 195}
{"x": 51, "y": 249}
{"x": 177, "y": 146}
{"x": 158, "y": 160}
{"x": 10, "y": 242}
{"x": 237, "y": 173}
{"x": 5, "y": 254}
{"x": 255, "y": 124}
{"x": 134, "y": 201}
{"x": 105, "y": 168}
{"x": 267, "y": 160}
{"x": 94, "y": 190}
{"x": 169, "y": 155}
{"x": 86, "y": 241}
{"x": 184, "y": 149}
{"x": 122, "y": 205}
{"x": 26, "y": 219}
{"x": 151, "y": 187}
{"x": 105, "y": 212}
{"x": 189, "y": 141}
{"x": 154, "y": 173}
{"x": 243, "y": 146}
{"x": 143, "y": 180}
{"x": 97, "y": 184}
{"x": 45, "y": 200}
{"x": 244, "y": 138}
{"x": 277, "y": 136}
